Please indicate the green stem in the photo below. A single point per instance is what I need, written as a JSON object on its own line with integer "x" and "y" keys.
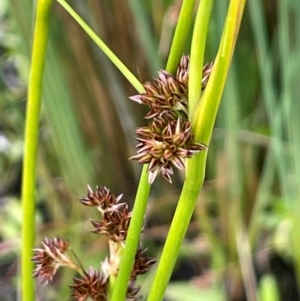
{"x": 197, "y": 53}
{"x": 203, "y": 122}
{"x": 40, "y": 38}
{"x": 134, "y": 232}
{"x": 118, "y": 286}
{"x": 181, "y": 32}
{"x": 115, "y": 60}
{"x": 207, "y": 108}
{"x": 183, "y": 214}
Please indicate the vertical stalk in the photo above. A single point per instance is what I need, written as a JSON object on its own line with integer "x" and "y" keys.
{"x": 40, "y": 39}
{"x": 139, "y": 209}
{"x": 182, "y": 29}
{"x": 133, "y": 237}
{"x": 197, "y": 53}
{"x": 203, "y": 122}
{"x": 118, "y": 286}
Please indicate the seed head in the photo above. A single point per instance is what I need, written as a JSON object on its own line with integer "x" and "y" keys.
{"x": 141, "y": 264}
{"x": 182, "y": 73}
{"x": 165, "y": 144}
{"x": 164, "y": 94}
{"x": 132, "y": 291}
{"x": 92, "y": 285}
{"x": 115, "y": 224}
{"x": 101, "y": 198}
{"x": 168, "y": 140}
{"x": 206, "y": 71}
{"x": 50, "y": 258}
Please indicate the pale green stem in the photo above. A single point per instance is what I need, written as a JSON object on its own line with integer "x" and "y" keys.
{"x": 40, "y": 38}
{"x": 133, "y": 235}
{"x": 197, "y": 53}
{"x": 118, "y": 286}
{"x": 203, "y": 122}
{"x": 181, "y": 32}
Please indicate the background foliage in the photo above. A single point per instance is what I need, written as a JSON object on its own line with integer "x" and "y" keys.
{"x": 243, "y": 243}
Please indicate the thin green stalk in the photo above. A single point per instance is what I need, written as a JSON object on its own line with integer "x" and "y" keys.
{"x": 207, "y": 108}
{"x": 119, "y": 285}
{"x": 197, "y": 53}
{"x": 181, "y": 31}
{"x": 115, "y": 60}
{"x": 203, "y": 123}
{"x": 176, "y": 234}
{"x": 40, "y": 39}
{"x": 133, "y": 237}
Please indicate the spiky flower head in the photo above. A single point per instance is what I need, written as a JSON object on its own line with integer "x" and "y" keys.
{"x": 206, "y": 71}
{"x": 132, "y": 291}
{"x": 115, "y": 224}
{"x": 93, "y": 285}
{"x": 49, "y": 258}
{"x": 168, "y": 140}
{"x": 141, "y": 264}
{"x": 165, "y": 144}
{"x": 164, "y": 94}
{"x": 182, "y": 73}
{"x": 101, "y": 198}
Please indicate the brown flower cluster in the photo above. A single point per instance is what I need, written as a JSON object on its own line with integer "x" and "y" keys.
{"x": 102, "y": 199}
{"x": 168, "y": 140}
{"x": 49, "y": 258}
{"x": 115, "y": 216}
{"x": 93, "y": 283}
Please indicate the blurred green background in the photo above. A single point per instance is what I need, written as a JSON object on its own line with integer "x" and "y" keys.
{"x": 244, "y": 239}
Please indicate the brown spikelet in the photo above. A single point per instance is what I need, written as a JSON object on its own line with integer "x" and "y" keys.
{"x": 168, "y": 140}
